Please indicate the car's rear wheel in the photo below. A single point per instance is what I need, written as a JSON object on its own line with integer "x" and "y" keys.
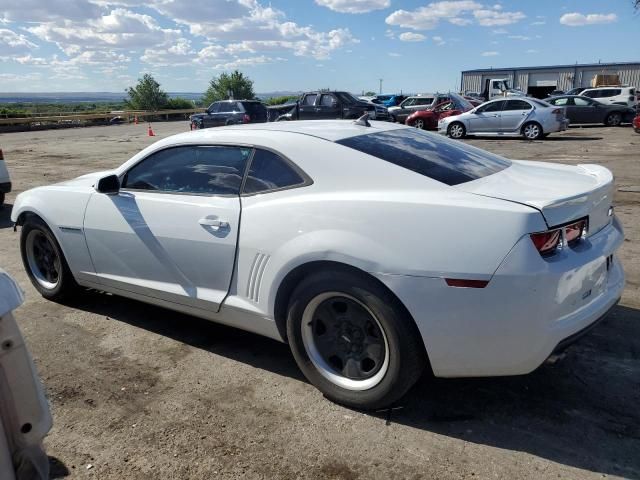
{"x": 44, "y": 261}
{"x": 419, "y": 123}
{"x": 532, "y": 131}
{"x": 456, "y": 130}
{"x": 614, "y": 119}
{"x": 352, "y": 339}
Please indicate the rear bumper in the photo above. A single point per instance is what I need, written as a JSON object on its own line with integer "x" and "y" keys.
{"x": 530, "y": 306}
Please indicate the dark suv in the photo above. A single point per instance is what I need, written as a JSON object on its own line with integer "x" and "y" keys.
{"x": 230, "y": 112}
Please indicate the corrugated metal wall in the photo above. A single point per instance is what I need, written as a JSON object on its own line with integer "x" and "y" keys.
{"x": 471, "y": 82}
{"x": 629, "y": 75}
{"x": 522, "y": 80}
{"x": 565, "y": 80}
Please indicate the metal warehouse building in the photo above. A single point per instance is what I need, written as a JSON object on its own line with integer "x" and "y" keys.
{"x": 539, "y": 81}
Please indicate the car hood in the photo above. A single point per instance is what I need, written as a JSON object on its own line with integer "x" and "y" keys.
{"x": 562, "y": 193}
{"x": 87, "y": 180}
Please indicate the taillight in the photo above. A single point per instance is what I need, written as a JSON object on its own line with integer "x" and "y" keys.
{"x": 575, "y": 231}
{"x": 246, "y": 118}
{"x": 547, "y": 242}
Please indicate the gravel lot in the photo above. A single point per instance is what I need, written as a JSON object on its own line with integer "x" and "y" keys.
{"x": 139, "y": 392}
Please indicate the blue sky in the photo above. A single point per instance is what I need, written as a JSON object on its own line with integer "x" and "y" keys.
{"x": 413, "y": 45}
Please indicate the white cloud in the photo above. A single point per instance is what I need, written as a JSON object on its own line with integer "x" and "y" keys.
{"x": 438, "y": 40}
{"x": 533, "y": 50}
{"x": 48, "y": 11}
{"x": 461, "y": 22}
{"x": 354, "y": 6}
{"x": 120, "y": 29}
{"x": 394, "y": 54}
{"x": 30, "y": 60}
{"x": 14, "y": 43}
{"x": 179, "y": 53}
{"x": 412, "y": 37}
{"x": 428, "y": 17}
{"x": 579, "y": 19}
{"x": 519, "y": 37}
{"x": 499, "y": 31}
{"x": 491, "y": 18}
{"x": 539, "y": 22}
{"x": 453, "y": 11}
{"x": 491, "y": 53}
{"x": 247, "y": 62}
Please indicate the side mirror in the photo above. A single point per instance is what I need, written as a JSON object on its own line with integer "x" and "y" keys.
{"x": 109, "y": 185}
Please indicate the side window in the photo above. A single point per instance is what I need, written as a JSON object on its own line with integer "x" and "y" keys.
{"x": 424, "y": 101}
{"x": 559, "y": 101}
{"x": 592, "y": 94}
{"x": 269, "y": 171}
{"x": 225, "y": 107}
{"x": 328, "y": 100}
{"x": 581, "y": 102}
{"x": 203, "y": 170}
{"x": 517, "y": 105}
{"x": 214, "y": 108}
{"x": 408, "y": 102}
{"x": 491, "y": 107}
{"x": 309, "y": 99}
{"x": 610, "y": 93}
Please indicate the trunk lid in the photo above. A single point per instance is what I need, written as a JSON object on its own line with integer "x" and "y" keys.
{"x": 562, "y": 193}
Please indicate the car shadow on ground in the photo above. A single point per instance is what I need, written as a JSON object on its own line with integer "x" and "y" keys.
{"x": 581, "y": 411}
{"x": 5, "y": 216}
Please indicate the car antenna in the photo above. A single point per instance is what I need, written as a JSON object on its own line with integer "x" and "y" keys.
{"x": 363, "y": 120}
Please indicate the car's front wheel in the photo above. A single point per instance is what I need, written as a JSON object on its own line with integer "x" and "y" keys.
{"x": 419, "y": 123}
{"x": 353, "y": 340}
{"x": 456, "y": 130}
{"x": 44, "y": 261}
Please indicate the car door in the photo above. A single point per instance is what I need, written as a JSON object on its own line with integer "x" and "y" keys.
{"x": 307, "y": 110}
{"x": 585, "y": 110}
{"x": 328, "y": 107}
{"x": 514, "y": 114}
{"x": 224, "y": 114}
{"x": 210, "y": 119}
{"x": 171, "y": 230}
{"x": 486, "y": 118}
{"x": 567, "y": 104}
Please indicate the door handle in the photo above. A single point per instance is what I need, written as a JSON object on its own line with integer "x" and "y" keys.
{"x": 214, "y": 223}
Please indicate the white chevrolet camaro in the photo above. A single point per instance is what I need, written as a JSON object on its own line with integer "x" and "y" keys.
{"x": 374, "y": 250}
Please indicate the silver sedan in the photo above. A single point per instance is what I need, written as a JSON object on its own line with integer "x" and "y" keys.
{"x": 529, "y": 117}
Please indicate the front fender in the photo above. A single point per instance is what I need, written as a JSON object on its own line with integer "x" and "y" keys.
{"x": 62, "y": 208}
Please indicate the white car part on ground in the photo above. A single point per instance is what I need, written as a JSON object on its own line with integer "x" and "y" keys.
{"x": 25, "y": 418}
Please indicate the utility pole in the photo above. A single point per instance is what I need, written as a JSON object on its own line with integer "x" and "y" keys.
{"x": 381, "y": 86}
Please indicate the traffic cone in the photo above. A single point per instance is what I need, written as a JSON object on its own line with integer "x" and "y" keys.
{"x": 150, "y": 132}
{"x": 135, "y": 119}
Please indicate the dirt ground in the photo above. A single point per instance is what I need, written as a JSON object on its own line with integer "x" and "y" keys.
{"x": 144, "y": 393}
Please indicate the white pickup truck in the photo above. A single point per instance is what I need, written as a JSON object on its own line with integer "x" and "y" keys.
{"x": 499, "y": 87}
{"x": 25, "y": 418}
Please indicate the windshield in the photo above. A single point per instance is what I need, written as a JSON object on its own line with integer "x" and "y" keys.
{"x": 460, "y": 103}
{"x": 447, "y": 161}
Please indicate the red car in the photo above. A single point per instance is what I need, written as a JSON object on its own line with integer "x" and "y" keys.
{"x": 636, "y": 123}
{"x": 428, "y": 119}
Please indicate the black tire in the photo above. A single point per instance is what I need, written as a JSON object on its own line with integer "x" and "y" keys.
{"x": 536, "y": 131}
{"x": 65, "y": 286}
{"x": 456, "y": 130}
{"x": 614, "y": 119}
{"x": 404, "y": 354}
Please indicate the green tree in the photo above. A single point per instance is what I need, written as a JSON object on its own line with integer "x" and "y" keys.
{"x": 178, "y": 104}
{"x": 146, "y": 95}
{"x": 237, "y": 84}
{"x": 370, "y": 94}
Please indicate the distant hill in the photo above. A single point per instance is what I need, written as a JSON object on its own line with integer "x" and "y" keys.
{"x": 89, "y": 97}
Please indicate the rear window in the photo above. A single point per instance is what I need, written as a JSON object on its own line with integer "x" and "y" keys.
{"x": 447, "y": 161}
{"x": 253, "y": 107}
